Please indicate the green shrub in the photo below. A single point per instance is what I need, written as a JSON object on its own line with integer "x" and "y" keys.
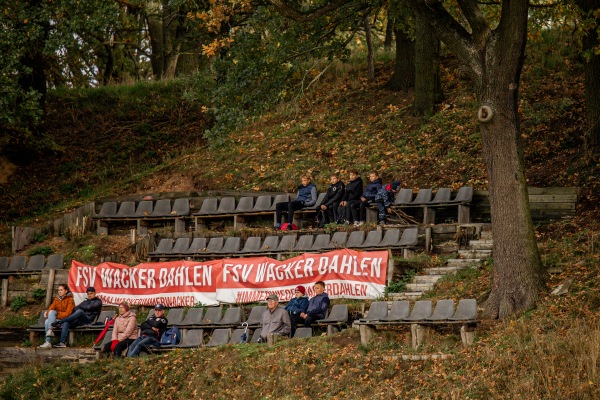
{"x": 38, "y": 294}
{"x": 17, "y": 303}
{"x": 44, "y": 250}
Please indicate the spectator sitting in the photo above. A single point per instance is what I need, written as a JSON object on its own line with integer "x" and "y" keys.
{"x": 275, "y": 320}
{"x": 297, "y": 305}
{"x": 352, "y": 193}
{"x": 151, "y": 331}
{"x": 329, "y": 205}
{"x": 306, "y": 197}
{"x": 360, "y": 213}
{"x": 384, "y": 198}
{"x": 317, "y": 305}
{"x": 124, "y": 332}
{"x": 61, "y": 307}
{"x": 85, "y": 313}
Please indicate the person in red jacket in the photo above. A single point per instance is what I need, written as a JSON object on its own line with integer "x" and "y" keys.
{"x": 62, "y": 306}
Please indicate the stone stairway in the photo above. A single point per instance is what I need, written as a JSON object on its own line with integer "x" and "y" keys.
{"x": 473, "y": 257}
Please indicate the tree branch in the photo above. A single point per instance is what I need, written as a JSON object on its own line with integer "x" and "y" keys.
{"x": 288, "y": 11}
{"x": 477, "y": 21}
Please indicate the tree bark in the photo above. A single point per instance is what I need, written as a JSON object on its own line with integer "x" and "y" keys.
{"x": 494, "y": 60}
{"x": 389, "y": 33}
{"x": 370, "y": 50}
{"x": 427, "y": 77}
{"x": 403, "y": 77}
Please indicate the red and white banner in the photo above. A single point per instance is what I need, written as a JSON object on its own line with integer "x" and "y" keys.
{"x": 347, "y": 274}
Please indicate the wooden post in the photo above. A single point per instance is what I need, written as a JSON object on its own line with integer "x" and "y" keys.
{"x": 50, "y": 287}
{"x": 179, "y": 225}
{"x": 467, "y": 334}
{"x": 428, "y": 239}
{"x": 4, "y": 292}
{"x": 428, "y": 215}
{"x": 142, "y": 227}
{"x": 464, "y": 213}
{"x": 102, "y": 228}
{"x": 132, "y": 233}
{"x": 418, "y": 333}
{"x": 390, "y": 271}
{"x": 331, "y": 330}
{"x": 366, "y": 333}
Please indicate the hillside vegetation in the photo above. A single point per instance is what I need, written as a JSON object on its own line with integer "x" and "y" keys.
{"x": 148, "y": 138}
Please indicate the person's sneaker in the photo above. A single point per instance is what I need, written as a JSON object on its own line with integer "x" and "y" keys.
{"x": 45, "y": 345}
{"x": 50, "y": 332}
{"x": 277, "y": 226}
{"x": 346, "y": 222}
{"x": 359, "y": 223}
{"x": 61, "y": 346}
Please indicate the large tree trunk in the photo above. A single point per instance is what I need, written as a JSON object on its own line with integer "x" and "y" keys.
{"x": 155, "y": 31}
{"x": 389, "y": 33}
{"x": 494, "y": 59}
{"x": 370, "y": 49}
{"x": 403, "y": 77}
{"x": 427, "y": 77}
{"x": 591, "y": 67}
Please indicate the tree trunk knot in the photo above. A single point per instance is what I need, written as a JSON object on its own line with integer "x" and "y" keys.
{"x": 485, "y": 113}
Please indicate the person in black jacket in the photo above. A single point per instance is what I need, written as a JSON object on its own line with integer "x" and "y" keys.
{"x": 85, "y": 313}
{"x": 352, "y": 193}
{"x": 359, "y": 211}
{"x": 151, "y": 331}
{"x": 329, "y": 205}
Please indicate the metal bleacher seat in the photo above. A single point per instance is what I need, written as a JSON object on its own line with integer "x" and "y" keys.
{"x": 420, "y": 312}
{"x": 55, "y": 261}
{"x": 126, "y": 210}
{"x": 252, "y": 245}
{"x": 35, "y": 263}
{"x": 17, "y": 264}
{"x": 233, "y": 317}
{"x": 403, "y": 197}
{"x": 219, "y": 337}
{"x": 377, "y": 311}
{"x": 232, "y": 245}
{"x": 144, "y": 209}
{"x": 108, "y": 210}
{"x": 226, "y": 206}
{"x": 444, "y": 309}
{"x": 305, "y": 242}
{"x": 270, "y": 244}
{"x": 355, "y": 239}
{"x": 255, "y": 317}
{"x": 399, "y": 311}
{"x": 287, "y": 244}
{"x": 373, "y": 239}
{"x": 191, "y": 338}
{"x": 162, "y": 208}
{"x": 321, "y": 242}
{"x": 465, "y": 312}
{"x": 193, "y": 317}
{"x": 208, "y": 207}
{"x": 263, "y": 203}
{"x": 338, "y": 240}
{"x": 245, "y": 205}
{"x": 303, "y": 332}
{"x": 280, "y": 198}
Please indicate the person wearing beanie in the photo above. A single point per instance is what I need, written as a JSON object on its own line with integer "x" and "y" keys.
{"x": 296, "y": 306}
{"x": 385, "y": 198}
{"x": 124, "y": 332}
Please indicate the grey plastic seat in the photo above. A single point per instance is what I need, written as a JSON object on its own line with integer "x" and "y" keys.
{"x": 270, "y": 244}
{"x": 390, "y": 238}
{"x": 40, "y": 322}
{"x": 377, "y": 311}
{"x": 305, "y": 242}
{"x": 193, "y": 317}
{"x": 181, "y": 246}
{"x": 55, "y": 261}
{"x": 355, "y": 239}
{"x": 444, "y": 309}
{"x": 442, "y": 196}
{"x": 214, "y": 245}
{"x": 17, "y": 264}
{"x": 162, "y": 208}
{"x": 191, "y": 338}
{"x": 233, "y": 317}
{"x": 338, "y": 315}
{"x": 226, "y": 206}
{"x": 107, "y": 339}
{"x": 403, "y": 197}
{"x": 409, "y": 237}
{"x": 198, "y": 245}
{"x": 232, "y": 245}
{"x": 181, "y": 207}
{"x": 126, "y": 210}
{"x": 464, "y": 195}
{"x": 280, "y": 198}
{"x": 164, "y": 247}
{"x": 423, "y": 197}
{"x": 208, "y": 207}
{"x": 288, "y": 242}
{"x": 399, "y": 311}
{"x": 245, "y": 205}
{"x": 321, "y": 242}
{"x": 105, "y": 316}
{"x": 219, "y": 337}
{"x": 320, "y": 198}
{"x": 373, "y": 239}
{"x": 108, "y": 210}
{"x": 263, "y": 203}
{"x": 3, "y": 263}
{"x": 175, "y": 316}
{"x": 236, "y": 336}
{"x": 144, "y": 209}
{"x": 338, "y": 240}
{"x": 256, "y": 335}
{"x": 466, "y": 311}
{"x": 35, "y": 263}
{"x": 421, "y": 311}
{"x": 252, "y": 245}
{"x": 212, "y": 316}
{"x": 303, "y": 332}
{"x": 255, "y": 317}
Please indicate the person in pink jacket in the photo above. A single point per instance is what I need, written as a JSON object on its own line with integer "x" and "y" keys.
{"x": 125, "y": 331}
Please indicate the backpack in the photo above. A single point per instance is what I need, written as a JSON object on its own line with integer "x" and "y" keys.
{"x": 171, "y": 337}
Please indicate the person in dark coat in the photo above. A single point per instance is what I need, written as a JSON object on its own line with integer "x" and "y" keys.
{"x": 296, "y": 306}
{"x": 351, "y": 197}
{"x": 85, "y": 313}
{"x": 151, "y": 331}
{"x": 317, "y": 305}
{"x": 359, "y": 210}
{"x": 306, "y": 197}
{"x": 384, "y": 198}
{"x": 329, "y": 205}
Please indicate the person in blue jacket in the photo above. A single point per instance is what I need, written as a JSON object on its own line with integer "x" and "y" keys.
{"x": 306, "y": 197}
{"x": 360, "y": 213}
{"x": 385, "y": 197}
{"x": 297, "y": 305}
{"x": 317, "y": 305}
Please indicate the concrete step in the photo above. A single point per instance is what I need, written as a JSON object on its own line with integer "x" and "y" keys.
{"x": 427, "y": 279}
{"x": 442, "y": 270}
{"x": 406, "y": 295}
{"x": 481, "y": 244}
{"x": 486, "y": 235}
{"x": 464, "y": 262}
{"x": 483, "y": 254}
{"x": 423, "y": 287}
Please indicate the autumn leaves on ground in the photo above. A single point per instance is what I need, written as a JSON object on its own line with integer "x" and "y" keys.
{"x": 551, "y": 352}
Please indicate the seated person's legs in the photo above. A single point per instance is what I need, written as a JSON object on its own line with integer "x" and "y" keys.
{"x": 354, "y": 209}
{"x": 293, "y": 206}
{"x": 363, "y": 211}
{"x": 279, "y": 209}
{"x": 122, "y": 346}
